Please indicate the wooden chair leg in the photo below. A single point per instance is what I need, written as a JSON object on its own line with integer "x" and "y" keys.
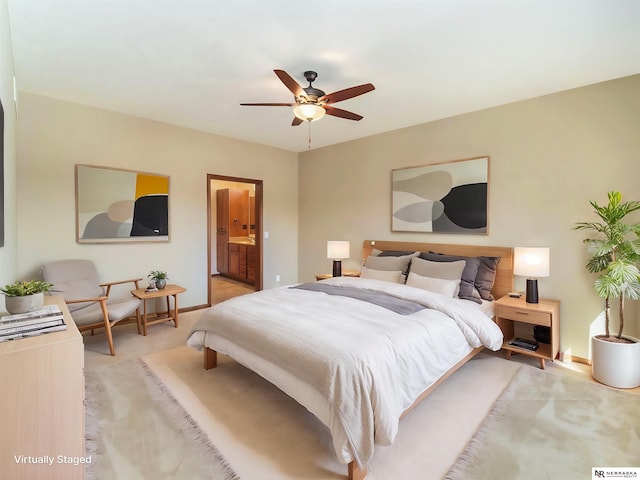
{"x": 107, "y": 327}
{"x": 110, "y": 338}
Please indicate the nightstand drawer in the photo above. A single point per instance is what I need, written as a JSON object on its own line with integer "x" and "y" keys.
{"x": 521, "y": 315}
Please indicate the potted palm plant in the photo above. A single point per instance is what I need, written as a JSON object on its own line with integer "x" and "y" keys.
{"x": 25, "y": 296}
{"x": 615, "y": 254}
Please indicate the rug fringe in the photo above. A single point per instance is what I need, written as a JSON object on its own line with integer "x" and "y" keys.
{"x": 93, "y": 392}
{"x": 174, "y": 407}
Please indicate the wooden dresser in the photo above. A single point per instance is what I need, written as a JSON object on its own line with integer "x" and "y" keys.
{"x": 42, "y": 404}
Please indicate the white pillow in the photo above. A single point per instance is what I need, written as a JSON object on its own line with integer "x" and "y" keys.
{"x": 442, "y": 270}
{"x": 385, "y": 275}
{"x": 442, "y": 286}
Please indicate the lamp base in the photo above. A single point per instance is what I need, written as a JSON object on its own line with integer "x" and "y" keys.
{"x": 532, "y": 290}
{"x": 337, "y": 268}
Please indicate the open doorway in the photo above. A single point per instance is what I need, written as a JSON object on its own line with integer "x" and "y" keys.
{"x": 234, "y": 232}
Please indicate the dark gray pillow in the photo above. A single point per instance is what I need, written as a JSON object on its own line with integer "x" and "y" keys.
{"x": 469, "y": 274}
{"x": 485, "y": 276}
{"x": 394, "y": 253}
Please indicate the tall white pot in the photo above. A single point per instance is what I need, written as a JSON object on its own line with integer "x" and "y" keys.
{"x": 616, "y": 364}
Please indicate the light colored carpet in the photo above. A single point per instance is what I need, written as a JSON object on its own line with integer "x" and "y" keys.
{"x": 265, "y": 435}
{"x": 279, "y": 446}
{"x": 552, "y": 426}
{"x": 136, "y": 430}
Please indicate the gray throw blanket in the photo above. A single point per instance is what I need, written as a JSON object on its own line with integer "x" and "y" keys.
{"x": 395, "y": 304}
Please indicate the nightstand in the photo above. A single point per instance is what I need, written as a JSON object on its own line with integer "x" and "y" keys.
{"x": 345, "y": 273}
{"x": 516, "y": 318}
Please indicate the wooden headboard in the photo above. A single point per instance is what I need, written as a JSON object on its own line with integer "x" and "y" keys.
{"x": 504, "y": 273}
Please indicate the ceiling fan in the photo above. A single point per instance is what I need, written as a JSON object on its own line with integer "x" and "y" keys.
{"x": 312, "y": 103}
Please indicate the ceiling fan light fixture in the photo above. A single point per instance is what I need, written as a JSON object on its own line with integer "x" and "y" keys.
{"x": 309, "y": 112}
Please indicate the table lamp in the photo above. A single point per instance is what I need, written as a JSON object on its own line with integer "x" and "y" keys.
{"x": 336, "y": 251}
{"x": 531, "y": 262}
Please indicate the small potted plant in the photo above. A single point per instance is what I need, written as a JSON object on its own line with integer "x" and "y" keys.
{"x": 25, "y": 296}
{"x": 615, "y": 254}
{"x": 159, "y": 278}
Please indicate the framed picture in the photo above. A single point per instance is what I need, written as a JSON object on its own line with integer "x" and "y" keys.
{"x": 117, "y": 206}
{"x": 449, "y": 197}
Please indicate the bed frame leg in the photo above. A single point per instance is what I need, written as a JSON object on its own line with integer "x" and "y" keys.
{"x": 354, "y": 472}
{"x": 210, "y": 358}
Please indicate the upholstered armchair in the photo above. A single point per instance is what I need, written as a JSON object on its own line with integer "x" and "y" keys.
{"x": 88, "y": 300}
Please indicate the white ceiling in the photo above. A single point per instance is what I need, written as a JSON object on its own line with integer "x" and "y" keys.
{"x": 192, "y": 62}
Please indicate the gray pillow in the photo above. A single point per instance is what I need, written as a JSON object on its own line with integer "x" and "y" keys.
{"x": 444, "y": 270}
{"x": 388, "y": 263}
{"x": 484, "y": 278}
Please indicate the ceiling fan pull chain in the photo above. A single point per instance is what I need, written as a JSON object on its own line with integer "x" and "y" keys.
{"x": 309, "y": 134}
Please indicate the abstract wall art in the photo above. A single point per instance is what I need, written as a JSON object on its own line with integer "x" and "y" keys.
{"x": 449, "y": 197}
{"x": 116, "y": 206}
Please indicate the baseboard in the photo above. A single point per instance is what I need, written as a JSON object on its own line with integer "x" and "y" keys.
{"x": 192, "y": 308}
{"x": 568, "y": 358}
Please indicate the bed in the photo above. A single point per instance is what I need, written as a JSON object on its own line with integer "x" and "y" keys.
{"x": 359, "y": 353}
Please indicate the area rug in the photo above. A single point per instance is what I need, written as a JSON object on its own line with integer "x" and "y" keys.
{"x": 135, "y": 429}
{"x": 266, "y": 435}
{"x": 552, "y": 426}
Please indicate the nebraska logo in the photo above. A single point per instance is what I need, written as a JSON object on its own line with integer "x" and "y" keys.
{"x": 615, "y": 472}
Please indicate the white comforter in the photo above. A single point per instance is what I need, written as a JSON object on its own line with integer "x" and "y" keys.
{"x": 357, "y": 366}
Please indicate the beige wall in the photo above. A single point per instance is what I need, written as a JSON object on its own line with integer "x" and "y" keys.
{"x": 8, "y": 253}
{"x": 54, "y": 135}
{"x": 549, "y": 157}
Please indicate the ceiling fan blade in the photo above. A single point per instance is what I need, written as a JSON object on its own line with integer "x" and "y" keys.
{"x": 338, "y": 112}
{"x": 347, "y": 93}
{"x": 296, "y": 121}
{"x": 268, "y": 104}
{"x": 291, "y": 84}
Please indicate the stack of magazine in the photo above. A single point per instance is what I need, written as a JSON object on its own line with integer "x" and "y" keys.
{"x": 45, "y": 320}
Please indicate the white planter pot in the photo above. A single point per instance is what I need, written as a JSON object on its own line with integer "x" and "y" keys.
{"x": 616, "y": 364}
{"x": 27, "y": 303}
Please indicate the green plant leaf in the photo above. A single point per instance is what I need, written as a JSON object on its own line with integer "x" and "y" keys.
{"x": 27, "y": 287}
{"x": 622, "y": 271}
{"x": 607, "y": 287}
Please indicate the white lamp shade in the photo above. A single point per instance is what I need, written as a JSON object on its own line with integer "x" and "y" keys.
{"x": 337, "y": 249}
{"x": 531, "y": 262}
{"x": 309, "y": 112}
